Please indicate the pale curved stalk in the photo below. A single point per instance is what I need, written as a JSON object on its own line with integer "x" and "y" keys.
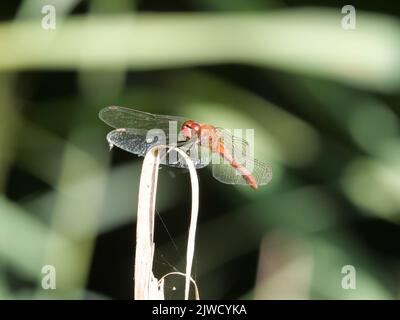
{"x": 146, "y": 285}
{"x": 196, "y": 288}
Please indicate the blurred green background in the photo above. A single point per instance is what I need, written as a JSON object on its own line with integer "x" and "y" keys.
{"x": 324, "y": 103}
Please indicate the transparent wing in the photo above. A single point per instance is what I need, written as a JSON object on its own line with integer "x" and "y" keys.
{"x": 121, "y": 117}
{"x": 140, "y": 141}
{"x": 225, "y": 173}
{"x": 233, "y": 144}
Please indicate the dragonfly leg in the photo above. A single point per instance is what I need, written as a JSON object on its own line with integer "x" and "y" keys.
{"x": 183, "y": 145}
{"x": 171, "y": 145}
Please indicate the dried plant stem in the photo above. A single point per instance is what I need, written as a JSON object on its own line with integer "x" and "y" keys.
{"x": 146, "y": 285}
{"x": 196, "y": 289}
{"x": 144, "y": 279}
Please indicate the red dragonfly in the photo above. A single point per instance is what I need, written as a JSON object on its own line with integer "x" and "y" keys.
{"x": 137, "y": 132}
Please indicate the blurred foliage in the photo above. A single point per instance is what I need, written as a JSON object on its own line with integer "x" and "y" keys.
{"x": 324, "y": 103}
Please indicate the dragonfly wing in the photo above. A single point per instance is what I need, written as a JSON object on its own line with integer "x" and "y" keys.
{"x": 225, "y": 173}
{"x": 132, "y": 140}
{"x": 121, "y": 117}
{"x": 236, "y": 146}
{"x": 140, "y": 141}
{"x": 202, "y": 155}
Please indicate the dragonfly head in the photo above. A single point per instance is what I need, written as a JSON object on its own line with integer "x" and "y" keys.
{"x": 189, "y": 128}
